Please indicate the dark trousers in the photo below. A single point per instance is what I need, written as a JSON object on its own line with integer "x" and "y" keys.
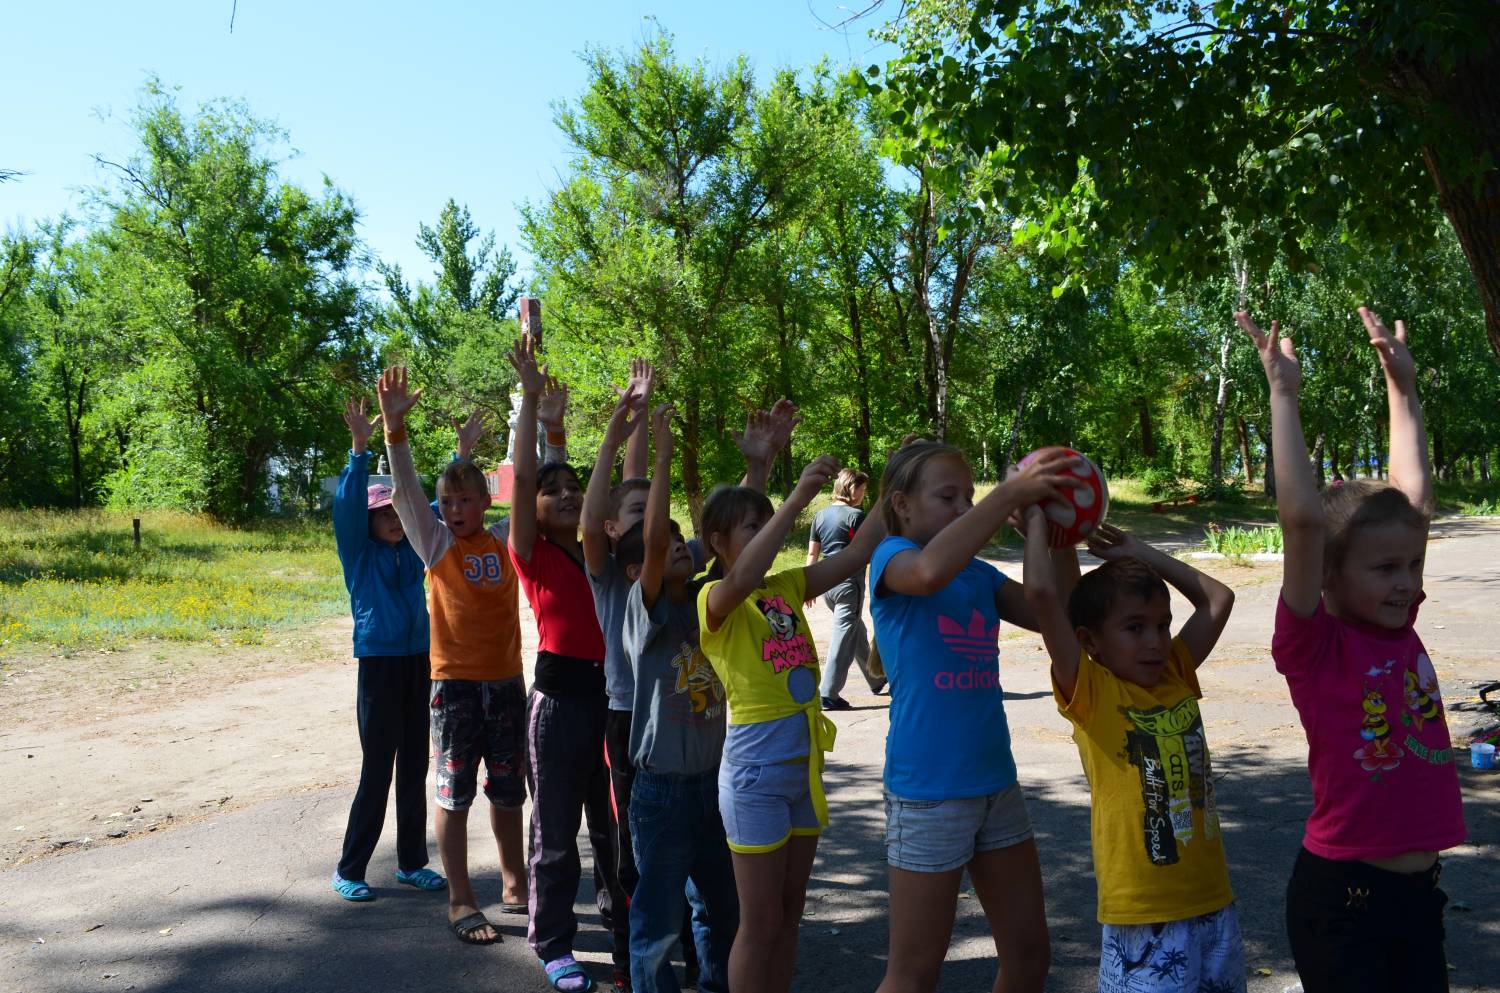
{"x": 565, "y": 766}
{"x": 1358, "y": 929}
{"x": 621, "y": 781}
{"x": 392, "y": 711}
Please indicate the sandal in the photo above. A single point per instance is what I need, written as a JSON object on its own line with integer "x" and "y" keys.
{"x": 422, "y": 879}
{"x": 353, "y": 890}
{"x": 467, "y": 927}
{"x": 567, "y": 970}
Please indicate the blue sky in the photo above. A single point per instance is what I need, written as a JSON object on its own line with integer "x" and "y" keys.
{"x": 403, "y": 104}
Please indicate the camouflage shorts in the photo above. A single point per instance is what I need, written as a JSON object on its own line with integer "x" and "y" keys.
{"x": 473, "y": 722}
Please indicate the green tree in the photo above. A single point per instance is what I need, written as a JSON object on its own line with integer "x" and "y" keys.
{"x": 1150, "y": 124}
{"x": 250, "y": 295}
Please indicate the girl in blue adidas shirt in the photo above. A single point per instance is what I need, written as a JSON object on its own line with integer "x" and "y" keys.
{"x": 951, "y": 798}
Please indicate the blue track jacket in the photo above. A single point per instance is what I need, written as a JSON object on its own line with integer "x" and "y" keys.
{"x": 385, "y": 582}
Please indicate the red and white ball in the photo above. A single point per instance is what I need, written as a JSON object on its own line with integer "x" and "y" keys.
{"x": 1074, "y": 516}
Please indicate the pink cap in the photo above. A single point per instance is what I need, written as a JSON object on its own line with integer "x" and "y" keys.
{"x": 379, "y": 496}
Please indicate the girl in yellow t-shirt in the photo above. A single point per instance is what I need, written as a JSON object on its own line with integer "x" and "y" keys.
{"x": 770, "y": 780}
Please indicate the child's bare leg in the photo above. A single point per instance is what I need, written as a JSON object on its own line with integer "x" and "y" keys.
{"x": 922, "y": 909}
{"x": 800, "y": 852}
{"x": 1009, "y": 884}
{"x": 506, "y": 824}
{"x": 452, "y": 830}
{"x": 759, "y": 879}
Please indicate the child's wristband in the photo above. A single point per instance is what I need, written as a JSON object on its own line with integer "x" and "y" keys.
{"x": 556, "y": 438}
{"x": 395, "y": 435}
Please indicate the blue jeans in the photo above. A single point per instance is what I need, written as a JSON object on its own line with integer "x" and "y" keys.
{"x": 680, "y": 847}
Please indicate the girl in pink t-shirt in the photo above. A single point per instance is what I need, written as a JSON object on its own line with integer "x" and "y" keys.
{"x": 1364, "y": 911}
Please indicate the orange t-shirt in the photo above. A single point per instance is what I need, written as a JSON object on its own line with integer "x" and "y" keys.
{"x": 472, "y": 600}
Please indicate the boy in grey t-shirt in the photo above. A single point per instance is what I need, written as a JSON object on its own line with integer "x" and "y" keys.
{"x": 676, "y": 740}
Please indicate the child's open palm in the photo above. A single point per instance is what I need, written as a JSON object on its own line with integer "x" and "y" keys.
{"x": 395, "y": 398}
{"x": 1110, "y": 543}
{"x": 1278, "y": 356}
{"x": 552, "y": 405}
{"x": 469, "y": 432}
{"x": 661, "y": 428}
{"x": 1395, "y": 357}
{"x": 621, "y": 424}
{"x": 361, "y": 425}
{"x": 522, "y": 358}
{"x": 642, "y": 381}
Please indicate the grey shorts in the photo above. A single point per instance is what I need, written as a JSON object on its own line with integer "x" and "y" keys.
{"x": 942, "y": 835}
{"x": 764, "y": 805}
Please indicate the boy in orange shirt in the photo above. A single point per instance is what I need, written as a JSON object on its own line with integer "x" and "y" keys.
{"x": 478, "y": 698}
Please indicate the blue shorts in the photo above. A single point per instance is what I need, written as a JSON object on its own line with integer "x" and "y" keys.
{"x": 942, "y": 835}
{"x": 1199, "y": 953}
{"x": 764, "y": 805}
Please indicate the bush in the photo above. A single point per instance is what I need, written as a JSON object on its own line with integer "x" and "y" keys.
{"x": 1159, "y": 481}
{"x": 1236, "y": 541}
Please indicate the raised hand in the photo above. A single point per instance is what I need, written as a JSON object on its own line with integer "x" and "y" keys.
{"x": 552, "y": 405}
{"x": 783, "y": 420}
{"x": 815, "y": 476}
{"x": 1278, "y": 356}
{"x": 1109, "y": 542}
{"x": 621, "y": 424}
{"x": 522, "y": 358}
{"x": 395, "y": 398}
{"x": 642, "y": 382}
{"x": 1395, "y": 357}
{"x": 361, "y": 426}
{"x": 755, "y": 442}
{"x": 661, "y": 429}
{"x": 469, "y": 432}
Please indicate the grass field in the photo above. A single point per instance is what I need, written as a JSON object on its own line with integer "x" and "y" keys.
{"x": 72, "y": 581}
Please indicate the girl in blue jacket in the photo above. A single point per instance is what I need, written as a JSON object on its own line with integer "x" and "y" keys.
{"x": 385, "y": 581}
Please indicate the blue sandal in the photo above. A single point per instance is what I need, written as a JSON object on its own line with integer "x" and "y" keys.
{"x": 561, "y": 970}
{"x": 422, "y": 879}
{"x": 353, "y": 890}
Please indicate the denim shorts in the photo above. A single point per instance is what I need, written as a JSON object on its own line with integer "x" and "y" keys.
{"x": 476, "y": 721}
{"x": 942, "y": 835}
{"x": 764, "y": 805}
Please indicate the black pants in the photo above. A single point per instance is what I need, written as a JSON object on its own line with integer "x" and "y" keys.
{"x": 1358, "y": 929}
{"x": 565, "y": 765}
{"x": 621, "y": 782}
{"x": 392, "y": 710}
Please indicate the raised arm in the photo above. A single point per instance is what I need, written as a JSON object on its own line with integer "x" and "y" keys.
{"x": 1411, "y": 472}
{"x": 596, "y": 497}
{"x": 1211, "y": 600}
{"x": 351, "y": 519}
{"x": 428, "y": 535}
{"x": 924, "y": 572}
{"x": 642, "y": 382}
{"x": 828, "y": 572}
{"x": 766, "y": 434}
{"x": 468, "y": 432}
{"x": 749, "y": 570}
{"x": 1047, "y": 598}
{"x": 523, "y": 494}
{"x": 1298, "y": 506}
{"x": 658, "y": 528}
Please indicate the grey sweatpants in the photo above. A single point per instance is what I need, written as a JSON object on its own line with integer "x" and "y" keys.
{"x": 850, "y": 641}
{"x": 565, "y": 763}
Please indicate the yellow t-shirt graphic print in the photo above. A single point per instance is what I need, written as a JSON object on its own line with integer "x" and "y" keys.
{"x": 1158, "y": 848}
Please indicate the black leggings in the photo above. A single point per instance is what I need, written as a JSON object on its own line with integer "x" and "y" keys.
{"x": 1355, "y": 928}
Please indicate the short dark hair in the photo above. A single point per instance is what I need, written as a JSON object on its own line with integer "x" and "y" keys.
{"x": 1361, "y": 503}
{"x": 631, "y": 548}
{"x": 549, "y": 469}
{"x": 1097, "y": 591}
{"x": 462, "y": 474}
{"x": 623, "y": 489}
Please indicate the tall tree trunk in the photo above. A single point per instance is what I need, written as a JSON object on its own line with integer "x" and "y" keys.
{"x": 692, "y": 479}
{"x": 1221, "y": 400}
{"x": 1484, "y": 466}
{"x": 1015, "y": 436}
{"x": 1246, "y": 465}
{"x": 1318, "y": 448}
{"x": 1333, "y": 458}
{"x": 1270, "y": 473}
{"x": 1148, "y": 436}
{"x": 861, "y": 379}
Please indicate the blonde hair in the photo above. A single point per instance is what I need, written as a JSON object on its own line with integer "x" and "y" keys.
{"x": 903, "y": 474}
{"x": 847, "y": 482}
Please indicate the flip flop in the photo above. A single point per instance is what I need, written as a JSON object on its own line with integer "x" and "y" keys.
{"x": 466, "y": 927}
{"x": 514, "y": 908}
{"x": 353, "y": 890}
{"x": 564, "y": 968}
{"x": 422, "y": 879}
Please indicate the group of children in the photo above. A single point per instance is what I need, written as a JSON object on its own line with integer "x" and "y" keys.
{"x": 676, "y": 702}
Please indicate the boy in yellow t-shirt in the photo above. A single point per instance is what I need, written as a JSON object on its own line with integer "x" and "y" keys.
{"x": 1131, "y": 691}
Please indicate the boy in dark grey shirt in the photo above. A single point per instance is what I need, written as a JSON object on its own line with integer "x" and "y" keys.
{"x": 676, "y": 740}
